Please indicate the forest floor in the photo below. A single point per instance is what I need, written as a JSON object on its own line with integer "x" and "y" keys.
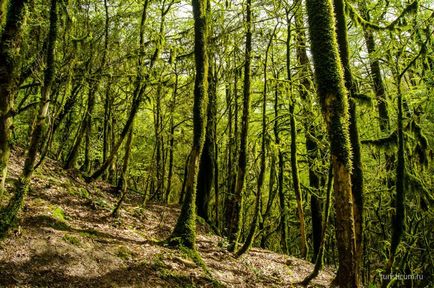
{"x": 66, "y": 238}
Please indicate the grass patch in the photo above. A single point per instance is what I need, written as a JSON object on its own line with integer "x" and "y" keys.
{"x": 101, "y": 202}
{"x": 71, "y": 239}
{"x": 158, "y": 263}
{"x": 81, "y": 192}
{"x": 91, "y": 233}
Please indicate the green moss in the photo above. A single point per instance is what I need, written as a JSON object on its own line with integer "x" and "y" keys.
{"x": 101, "y": 202}
{"x": 184, "y": 234}
{"x": 58, "y": 214}
{"x": 81, "y": 192}
{"x": 157, "y": 262}
{"x": 71, "y": 239}
{"x": 195, "y": 256}
{"x": 124, "y": 252}
{"x": 89, "y": 234}
{"x": 9, "y": 214}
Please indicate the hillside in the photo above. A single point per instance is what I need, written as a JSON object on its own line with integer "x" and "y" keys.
{"x": 67, "y": 238}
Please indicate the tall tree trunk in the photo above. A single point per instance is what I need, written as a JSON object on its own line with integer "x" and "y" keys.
{"x": 171, "y": 140}
{"x": 309, "y": 131}
{"x": 235, "y": 212}
{"x": 319, "y": 261}
{"x": 357, "y": 172}
{"x": 10, "y": 212}
{"x": 216, "y": 184}
{"x": 184, "y": 233}
{"x": 252, "y": 231}
{"x": 206, "y": 176}
{"x": 294, "y": 161}
{"x": 377, "y": 79}
{"x": 398, "y": 218}
{"x": 334, "y": 103}
{"x": 123, "y": 180}
{"x": 107, "y": 98}
{"x": 107, "y": 120}
{"x": 271, "y": 196}
{"x": 233, "y": 152}
{"x": 284, "y": 213}
{"x": 88, "y": 127}
{"x": 10, "y": 44}
{"x": 158, "y": 144}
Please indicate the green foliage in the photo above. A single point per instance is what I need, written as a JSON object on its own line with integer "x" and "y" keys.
{"x": 355, "y": 17}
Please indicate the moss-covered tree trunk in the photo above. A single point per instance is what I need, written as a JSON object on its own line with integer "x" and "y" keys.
{"x": 235, "y": 213}
{"x": 334, "y": 103}
{"x": 272, "y": 192}
{"x": 207, "y": 161}
{"x": 357, "y": 172}
{"x": 319, "y": 261}
{"x": 171, "y": 139}
{"x": 252, "y": 230}
{"x": 379, "y": 89}
{"x": 398, "y": 218}
{"x": 309, "y": 131}
{"x": 123, "y": 183}
{"x": 293, "y": 131}
{"x": 10, "y": 212}
{"x": 83, "y": 133}
{"x": 10, "y": 44}
{"x": 184, "y": 233}
{"x": 284, "y": 213}
{"x": 374, "y": 64}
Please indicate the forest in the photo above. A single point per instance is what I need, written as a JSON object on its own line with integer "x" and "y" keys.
{"x": 300, "y": 127}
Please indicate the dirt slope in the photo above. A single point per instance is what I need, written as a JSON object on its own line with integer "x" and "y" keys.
{"x": 67, "y": 239}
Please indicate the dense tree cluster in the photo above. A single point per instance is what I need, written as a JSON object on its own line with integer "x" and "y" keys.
{"x": 254, "y": 115}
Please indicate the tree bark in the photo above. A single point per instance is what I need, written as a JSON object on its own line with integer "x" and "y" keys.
{"x": 235, "y": 213}
{"x": 184, "y": 233}
{"x": 334, "y": 103}
{"x": 357, "y": 172}
{"x": 10, "y": 212}
{"x": 310, "y": 132}
{"x": 10, "y": 44}
{"x": 123, "y": 180}
{"x": 206, "y": 176}
{"x": 293, "y": 131}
